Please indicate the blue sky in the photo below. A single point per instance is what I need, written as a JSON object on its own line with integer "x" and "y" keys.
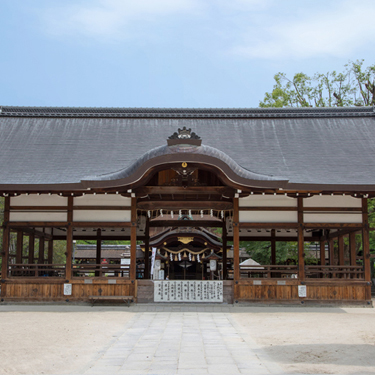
{"x": 172, "y": 53}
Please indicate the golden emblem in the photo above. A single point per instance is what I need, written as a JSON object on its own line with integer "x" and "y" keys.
{"x": 184, "y": 164}
{"x": 185, "y": 240}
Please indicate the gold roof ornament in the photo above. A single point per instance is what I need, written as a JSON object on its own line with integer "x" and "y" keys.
{"x": 185, "y": 240}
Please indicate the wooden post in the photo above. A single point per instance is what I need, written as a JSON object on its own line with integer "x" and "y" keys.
{"x": 133, "y": 240}
{"x": 301, "y": 243}
{"x": 50, "y": 249}
{"x": 98, "y": 251}
{"x": 224, "y": 238}
{"x": 322, "y": 253}
{"x": 147, "y": 250}
{"x": 19, "y": 249}
{"x": 5, "y": 253}
{"x": 31, "y": 248}
{"x": 69, "y": 240}
{"x": 41, "y": 250}
{"x": 331, "y": 245}
{"x": 341, "y": 255}
{"x": 236, "y": 241}
{"x": 366, "y": 248}
{"x": 273, "y": 247}
{"x": 352, "y": 249}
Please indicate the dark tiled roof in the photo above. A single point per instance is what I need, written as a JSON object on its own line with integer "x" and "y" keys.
{"x": 326, "y": 147}
{"x": 183, "y": 112}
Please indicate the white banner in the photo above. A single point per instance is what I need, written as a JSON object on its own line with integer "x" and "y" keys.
{"x": 188, "y": 291}
{"x": 153, "y": 260}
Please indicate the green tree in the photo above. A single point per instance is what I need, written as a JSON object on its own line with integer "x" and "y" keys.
{"x": 354, "y": 86}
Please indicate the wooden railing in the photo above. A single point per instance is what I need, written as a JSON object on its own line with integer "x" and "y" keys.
{"x": 101, "y": 270}
{"x": 335, "y": 272}
{"x": 36, "y": 270}
{"x": 269, "y": 271}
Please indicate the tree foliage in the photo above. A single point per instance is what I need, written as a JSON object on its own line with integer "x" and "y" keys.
{"x": 355, "y": 86}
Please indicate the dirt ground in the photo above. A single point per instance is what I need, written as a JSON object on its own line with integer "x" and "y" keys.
{"x": 315, "y": 340}
{"x": 301, "y": 340}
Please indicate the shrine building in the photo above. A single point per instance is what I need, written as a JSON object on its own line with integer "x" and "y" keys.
{"x": 189, "y": 189}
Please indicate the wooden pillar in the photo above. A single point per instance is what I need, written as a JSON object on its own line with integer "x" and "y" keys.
{"x": 5, "y": 253}
{"x": 31, "y": 248}
{"x": 69, "y": 240}
{"x": 98, "y": 250}
{"x": 341, "y": 255}
{"x": 224, "y": 239}
{"x": 236, "y": 241}
{"x": 301, "y": 242}
{"x": 322, "y": 252}
{"x": 133, "y": 240}
{"x": 41, "y": 250}
{"x": 19, "y": 248}
{"x": 366, "y": 247}
{"x": 50, "y": 249}
{"x": 331, "y": 245}
{"x": 147, "y": 250}
{"x": 273, "y": 247}
{"x": 352, "y": 249}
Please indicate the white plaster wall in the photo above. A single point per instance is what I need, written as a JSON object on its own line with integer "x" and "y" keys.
{"x": 333, "y": 217}
{"x": 102, "y": 200}
{"x": 267, "y": 201}
{"x": 38, "y": 200}
{"x": 38, "y": 216}
{"x": 332, "y": 201}
{"x": 101, "y": 215}
{"x": 268, "y": 216}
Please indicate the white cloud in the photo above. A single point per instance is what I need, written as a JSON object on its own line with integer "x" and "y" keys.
{"x": 112, "y": 19}
{"x": 336, "y": 33}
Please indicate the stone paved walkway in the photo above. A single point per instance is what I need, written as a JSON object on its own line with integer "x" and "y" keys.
{"x": 174, "y": 340}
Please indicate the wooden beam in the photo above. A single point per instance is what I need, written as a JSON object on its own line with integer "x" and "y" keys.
{"x": 98, "y": 250}
{"x": 19, "y": 248}
{"x": 5, "y": 252}
{"x": 184, "y": 205}
{"x": 331, "y": 244}
{"x": 341, "y": 250}
{"x": 322, "y": 252}
{"x": 366, "y": 247}
{"x": 225, "y": 248}
{"x": 301, "y": 244}
{"x": 236, "y": 240}
{"x": 31, "y": 248}
{"x": 133, "y": 240}
{"x": 179, "y": 190}
{"x": 41, "y": 250}
{"x": 352, "y": 249}
{"x": 69, "y": 241}
{"x": 147, "y": 249}
{"x": 50, "y": 252}
{"x": 273, "y": 246}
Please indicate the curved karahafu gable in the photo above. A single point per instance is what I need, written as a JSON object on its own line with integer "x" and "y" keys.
{"x": 75, "y": 148}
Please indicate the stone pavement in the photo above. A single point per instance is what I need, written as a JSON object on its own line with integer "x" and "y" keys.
{"x": 182, "y": 339}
